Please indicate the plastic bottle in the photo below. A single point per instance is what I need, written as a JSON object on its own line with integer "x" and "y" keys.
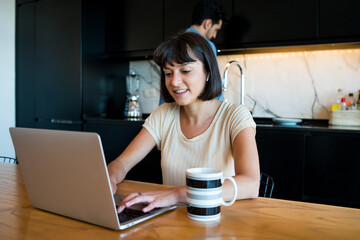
{"x": 343, "y": 103}
{"x": 337, "y": 106}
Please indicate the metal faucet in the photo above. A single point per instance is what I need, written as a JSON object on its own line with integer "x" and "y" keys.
{"x": 242, "y": 78}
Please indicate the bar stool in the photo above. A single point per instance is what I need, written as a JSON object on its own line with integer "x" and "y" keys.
{"x": 266, "y": 185}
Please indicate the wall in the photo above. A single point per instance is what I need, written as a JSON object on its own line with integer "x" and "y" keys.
{"x": 7, "y": 75}
{"x": 293, "y": 84}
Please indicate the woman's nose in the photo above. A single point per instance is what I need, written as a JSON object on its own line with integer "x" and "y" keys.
{"x": 176, "y": 79}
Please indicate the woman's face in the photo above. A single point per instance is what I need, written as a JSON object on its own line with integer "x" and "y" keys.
{"x": 185, "y": 82}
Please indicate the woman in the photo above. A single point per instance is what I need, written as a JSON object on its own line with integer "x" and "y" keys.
{"x": 192, "y": 129}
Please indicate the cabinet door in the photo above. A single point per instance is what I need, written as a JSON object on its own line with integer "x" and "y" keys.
{"x": 339, "y": 19}
{"x": 58, "y": 60}
{"x": 281, "y": 155}
{"x": 25, "y": 65}
{"x": 332, "y": 169}
{"x": 134, "y": 25}
{"x": 263, "y": 21}
{"x": 116, "y": 137}
{"x": 178, "y": 17}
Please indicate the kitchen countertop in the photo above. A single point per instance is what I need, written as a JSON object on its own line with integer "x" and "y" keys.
{"x": 261, "y": 123}
{"x": 306, "y": 125}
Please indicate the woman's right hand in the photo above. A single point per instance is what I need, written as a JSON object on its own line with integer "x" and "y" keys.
{"x": 155, "y": 199}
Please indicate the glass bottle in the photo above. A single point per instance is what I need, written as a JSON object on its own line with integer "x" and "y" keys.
{"x": 351, "y": 104}
{"x": 339, "y": 96}
{"x": 358, "y": 102}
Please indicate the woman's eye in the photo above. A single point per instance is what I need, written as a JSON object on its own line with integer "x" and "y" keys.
{"x": 167, "y": 74}
{"x": 186, "y": 71}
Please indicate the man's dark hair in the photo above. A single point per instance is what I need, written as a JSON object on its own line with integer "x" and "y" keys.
{"x": 189, "y": 47}
{"x": 208, "y": 9}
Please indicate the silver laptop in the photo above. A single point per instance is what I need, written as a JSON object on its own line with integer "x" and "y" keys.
{"x": 65, "y": 173}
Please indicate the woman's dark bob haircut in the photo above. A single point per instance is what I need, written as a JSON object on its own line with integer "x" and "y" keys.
{"x": 189, "y": 47}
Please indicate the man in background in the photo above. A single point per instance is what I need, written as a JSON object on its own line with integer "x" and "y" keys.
{"x": 207, "y": 19}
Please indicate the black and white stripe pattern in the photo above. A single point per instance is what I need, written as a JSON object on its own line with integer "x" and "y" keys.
{"x": 203, "y": 183}
{"x": 204, "y": 198}
{"x": 204, "y": 214}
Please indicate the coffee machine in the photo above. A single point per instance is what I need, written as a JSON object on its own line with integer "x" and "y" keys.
{"x": 132, "y": 107}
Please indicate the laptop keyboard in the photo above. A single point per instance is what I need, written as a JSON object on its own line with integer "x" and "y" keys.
{"x": 129, "y": 214}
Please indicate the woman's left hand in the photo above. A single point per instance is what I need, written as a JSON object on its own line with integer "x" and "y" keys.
{"x": 159, "y": 198}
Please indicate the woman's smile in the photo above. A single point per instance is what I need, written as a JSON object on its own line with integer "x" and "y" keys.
{"x": 180, "y": 92}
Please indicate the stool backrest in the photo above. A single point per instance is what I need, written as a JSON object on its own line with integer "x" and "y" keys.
{"x": 266, "y": 185}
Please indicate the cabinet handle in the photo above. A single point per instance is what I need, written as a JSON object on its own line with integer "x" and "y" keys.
{"x": 65, "y": 121}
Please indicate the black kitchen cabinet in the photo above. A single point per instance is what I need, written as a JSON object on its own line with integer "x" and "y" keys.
{"x": 49, "y": 64}
{"x": 133, "y": 31}
{"x": 58, "y": 59}
{"x": 104, "y": 87}
{"x": 333, "y": 169}
{"x": 311, "y": 164}
{"x": 339, "y": 19}
{"x": 25, "y": 65}
{"x": 280, "y": 22}
{"x": 134, "y": 25}
{"x": 116, "y": 137}
{"x": 178, "y": 17}
{"x": 281, "y": 155}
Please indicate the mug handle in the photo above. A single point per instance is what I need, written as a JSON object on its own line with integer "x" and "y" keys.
{"x": 235, "y": 191}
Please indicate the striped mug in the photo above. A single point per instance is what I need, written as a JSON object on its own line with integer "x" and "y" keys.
{"x": 204, "y": 193}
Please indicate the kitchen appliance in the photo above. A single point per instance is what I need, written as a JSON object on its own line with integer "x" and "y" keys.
{"x": 132, "y": 107}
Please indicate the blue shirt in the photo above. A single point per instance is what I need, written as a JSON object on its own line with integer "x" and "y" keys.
{"x": 212, "y": 45}
{"x": 210, "y": 42}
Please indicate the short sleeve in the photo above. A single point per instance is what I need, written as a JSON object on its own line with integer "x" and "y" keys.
{"x": 154, "y": 124}
{"x": 240, "y": 118}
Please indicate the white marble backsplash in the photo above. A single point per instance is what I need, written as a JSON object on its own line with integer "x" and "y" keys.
{"x": 292, "y": 85}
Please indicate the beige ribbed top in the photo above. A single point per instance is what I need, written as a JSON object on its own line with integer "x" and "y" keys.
{"x": 212, "y": 148}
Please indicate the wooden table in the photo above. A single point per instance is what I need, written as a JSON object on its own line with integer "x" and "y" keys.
{"x": 260, "y": 218}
